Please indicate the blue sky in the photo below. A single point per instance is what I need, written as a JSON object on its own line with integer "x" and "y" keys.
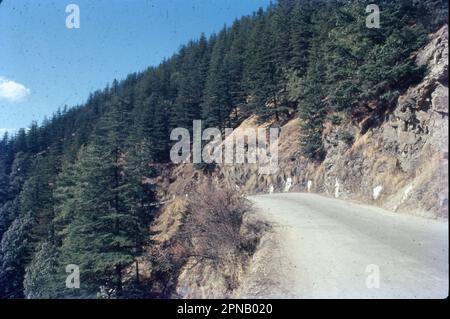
{"x": 44, "y": 65}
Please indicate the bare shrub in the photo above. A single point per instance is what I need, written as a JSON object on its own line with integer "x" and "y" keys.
{"x": 213, "y": 225}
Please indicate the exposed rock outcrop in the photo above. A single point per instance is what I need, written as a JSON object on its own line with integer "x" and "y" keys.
{"x": 401, "y": 164}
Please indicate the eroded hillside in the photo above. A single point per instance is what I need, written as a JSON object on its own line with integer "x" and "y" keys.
{"x": 400, "y": 164}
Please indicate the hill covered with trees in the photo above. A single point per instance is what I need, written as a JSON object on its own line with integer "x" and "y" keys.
{"x": 76, "y": 189}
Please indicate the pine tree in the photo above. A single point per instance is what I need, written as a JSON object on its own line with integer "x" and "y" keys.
{"x": 94, "y": 238}
{"x": 32, "y": 138}
{"x": 152, "y": 124}
{"x": 108, "y": 228}
{"x": 20, "y": 141}
{"x": 159, "y": 135}
{"x": 14, "y": 254}
{"x": 312, "y": 115}
{"x": 300, "y": 36}
{"x": 41, "y": 276}
{"x": 32, "y": 224}
{"x": 217, "y": 103}
{"x": 4, "y": 170}
{"x": 104, "y": 225}
{"x": 312, "y": 110}
{"x": 234, "y": 64}
{"x": 18, "y": 176}
{"x": 4, "y": 182}
{"x": 191, "y": 83}
{"x": 280, "y": 26}
{"x": 264, "y": 76}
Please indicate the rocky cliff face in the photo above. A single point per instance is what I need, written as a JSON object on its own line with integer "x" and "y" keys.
{"x": 400, "y": 164}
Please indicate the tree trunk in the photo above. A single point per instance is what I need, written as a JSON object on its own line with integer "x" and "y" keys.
{"x": 137, "y": 271}
{"x": 119, "y": 287}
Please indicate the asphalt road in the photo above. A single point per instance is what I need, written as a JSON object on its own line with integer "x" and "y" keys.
{"x": 320, "y": 247}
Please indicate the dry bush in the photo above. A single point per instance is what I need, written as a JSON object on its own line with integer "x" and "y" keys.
{"x": 212, "y": 225}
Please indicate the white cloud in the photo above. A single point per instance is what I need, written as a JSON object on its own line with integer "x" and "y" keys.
{"x": 3, "y": 131}
{"x": 12, "y": 91}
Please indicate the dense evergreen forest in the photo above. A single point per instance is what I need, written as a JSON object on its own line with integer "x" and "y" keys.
{"x": 73, "y": 188}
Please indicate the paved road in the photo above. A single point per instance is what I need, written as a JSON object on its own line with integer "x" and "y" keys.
{"x": 320, "y": 247}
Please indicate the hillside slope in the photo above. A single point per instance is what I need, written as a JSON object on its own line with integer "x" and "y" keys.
{"x": 400, "y": 164}
{"x": 360, "y": 120}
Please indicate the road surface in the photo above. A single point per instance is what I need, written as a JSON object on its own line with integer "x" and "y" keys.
{"x": 320, "y": 247}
